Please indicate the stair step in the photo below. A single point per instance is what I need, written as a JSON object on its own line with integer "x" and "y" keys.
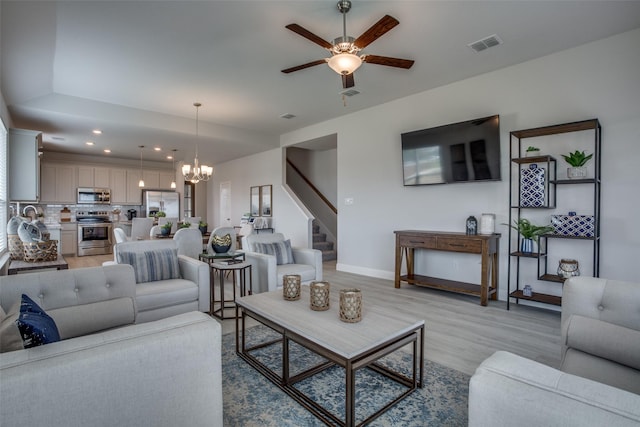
{"x": 323, "y": 246}
{"x": 319, "y": 237}
{"x": 329, "y": 255}
{"x": 315, "y": 229}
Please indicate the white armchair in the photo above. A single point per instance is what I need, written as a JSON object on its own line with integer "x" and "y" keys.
{"x": 189, "y": 241}
{"x": 267, "y": 273}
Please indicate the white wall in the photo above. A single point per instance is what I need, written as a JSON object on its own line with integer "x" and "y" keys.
{"x": 259, "y": 169}
{"x": 596, "y": 80}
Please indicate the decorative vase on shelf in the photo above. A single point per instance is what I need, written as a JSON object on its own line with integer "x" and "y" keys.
{"x": 568, "y": 268}
{"x": 526, "y": 246}
{"x": 577, "y": 172}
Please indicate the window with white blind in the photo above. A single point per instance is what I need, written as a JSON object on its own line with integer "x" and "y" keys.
{"x": 4, "y": 203}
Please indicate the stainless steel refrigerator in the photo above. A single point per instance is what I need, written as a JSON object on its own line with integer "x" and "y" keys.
{"x": 165, "y": 201}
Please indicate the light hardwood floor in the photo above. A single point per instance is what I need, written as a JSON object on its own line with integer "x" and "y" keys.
{"x": 460, "y": 333}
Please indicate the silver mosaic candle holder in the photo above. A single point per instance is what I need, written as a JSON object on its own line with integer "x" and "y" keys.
{"x": 291, "y": 287}
{"x": 319, "y": 292}
{"x": 350, "y": 305}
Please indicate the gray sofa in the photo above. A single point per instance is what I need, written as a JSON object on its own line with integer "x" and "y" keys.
{"x": 598, "y": 381}
{"x": 163, "y": 298}
{"x": 106, "y": 370}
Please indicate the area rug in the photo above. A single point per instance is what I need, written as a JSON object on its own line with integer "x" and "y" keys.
{"x": 250, "y": 399}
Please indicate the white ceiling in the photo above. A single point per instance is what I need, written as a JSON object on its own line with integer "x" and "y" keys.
{"x": 134, "y": 68}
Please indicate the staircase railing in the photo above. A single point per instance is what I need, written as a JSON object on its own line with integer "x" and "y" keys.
{"x": 313, "y": 187}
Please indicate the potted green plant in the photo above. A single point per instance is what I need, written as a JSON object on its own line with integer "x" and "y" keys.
{"x": 532, "y": 151}
{"x": 529, "y": 232}
{"x": 185, "y": 225}
{"x": 165, "y": 229}
{"x": 577, "y": 160}
{"x": 202, "y": 225}
{"x": 160, "y": 214}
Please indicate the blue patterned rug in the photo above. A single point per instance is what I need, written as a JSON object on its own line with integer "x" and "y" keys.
{"x": 250, "y": 399}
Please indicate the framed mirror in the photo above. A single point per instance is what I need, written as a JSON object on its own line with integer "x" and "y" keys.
{"x": 254, "y": 201}
{"x": 265, "y": 200}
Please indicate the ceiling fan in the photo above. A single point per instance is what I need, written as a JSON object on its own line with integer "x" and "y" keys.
{"x": 344, "y": 50}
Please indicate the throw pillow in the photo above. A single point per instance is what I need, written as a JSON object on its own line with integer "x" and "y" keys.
{"x": 281, "y": 250}
{"x": 221, "y": 244}
{"x": 151, "y": 266}
{"x": 10, "y": 338}
{"x": 36, "y": 326}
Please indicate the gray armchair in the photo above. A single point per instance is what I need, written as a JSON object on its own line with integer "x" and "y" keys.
{"x": 601, "y": 331}
{"x": 268, "y": 273}
{"x": 598, "y": 382}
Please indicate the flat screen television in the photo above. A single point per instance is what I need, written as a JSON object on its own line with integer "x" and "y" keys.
{"x": 458, "y": 152}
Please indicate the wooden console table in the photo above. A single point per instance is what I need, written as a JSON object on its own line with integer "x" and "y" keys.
{"x": 486, "y": 245}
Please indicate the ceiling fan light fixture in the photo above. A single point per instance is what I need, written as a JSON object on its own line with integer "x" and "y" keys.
{"x": 344, "y": 63}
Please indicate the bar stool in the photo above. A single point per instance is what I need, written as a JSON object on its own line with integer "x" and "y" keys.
{"x": 238, "y": 272}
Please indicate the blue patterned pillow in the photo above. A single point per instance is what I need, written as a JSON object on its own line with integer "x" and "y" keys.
{"x": 281, "y": 250}
{"x": 36, "y": 327}
{"x": 151, "y": 266}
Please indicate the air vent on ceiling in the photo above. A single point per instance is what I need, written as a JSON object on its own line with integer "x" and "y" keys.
{"x": 485, "y": 43}
{"x": 287, "y": 116}
{"x": 349, "y": 92}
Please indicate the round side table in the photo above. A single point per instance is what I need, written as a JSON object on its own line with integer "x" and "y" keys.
{"x": 238, "y": 275}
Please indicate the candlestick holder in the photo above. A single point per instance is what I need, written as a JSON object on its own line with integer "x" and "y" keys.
{"x": 319, "y": 295}
{"x": 291, "y": 287}
{"x": 350, "y": 305}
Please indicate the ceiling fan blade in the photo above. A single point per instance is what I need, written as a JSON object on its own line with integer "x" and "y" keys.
{"x": 303, "y": 66}
{"x": 388, "y": 61}
{"x": 309, "y": 36}
{"x": 348, "y": 81}
{"x": 378, "y": 29}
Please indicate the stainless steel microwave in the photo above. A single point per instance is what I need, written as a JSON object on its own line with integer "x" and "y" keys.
{"x": 94, "y": 196}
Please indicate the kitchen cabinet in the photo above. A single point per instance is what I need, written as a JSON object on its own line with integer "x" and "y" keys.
{"x": 134, "y": 192}
{"x": 166, "y": 178}
{"x": 58, "y": 184}
{"x": 68, "y": 239}
{"x": 24, "y": 165}
{"x": 93, "y": 177}
{"x": 118, "y": 185}
{"x": 157, "y": 180}
{"x": 151, "y": 179}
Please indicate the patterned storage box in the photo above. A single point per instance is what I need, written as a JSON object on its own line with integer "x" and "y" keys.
{"x": 574, "y": 225}
{"x": 532, "y": 187}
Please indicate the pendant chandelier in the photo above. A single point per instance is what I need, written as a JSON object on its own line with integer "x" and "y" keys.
{"x": 198, "y": 172}
{"x": 141, "y": 182}
{"x": 173, "y": 163}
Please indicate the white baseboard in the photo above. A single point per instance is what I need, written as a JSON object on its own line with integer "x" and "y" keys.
{"x": 370, "y": 272}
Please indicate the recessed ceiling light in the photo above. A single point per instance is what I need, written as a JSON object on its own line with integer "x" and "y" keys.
{"x": 169, "y": 157}
{"x": 157, "y": 148}
{"x": 90, "y": 143}
{"x": 97, "y": 132}
{"x": 106, "y": 150}
{"x": 57, "y": 138}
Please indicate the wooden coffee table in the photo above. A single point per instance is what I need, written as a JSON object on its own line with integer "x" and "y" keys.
{"x": 352, "y": 346}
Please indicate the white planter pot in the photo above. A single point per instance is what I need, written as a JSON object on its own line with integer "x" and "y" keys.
{"x": 577, "y": 172}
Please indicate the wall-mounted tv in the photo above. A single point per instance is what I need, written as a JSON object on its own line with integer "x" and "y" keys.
{"x": 457, "y": 152}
